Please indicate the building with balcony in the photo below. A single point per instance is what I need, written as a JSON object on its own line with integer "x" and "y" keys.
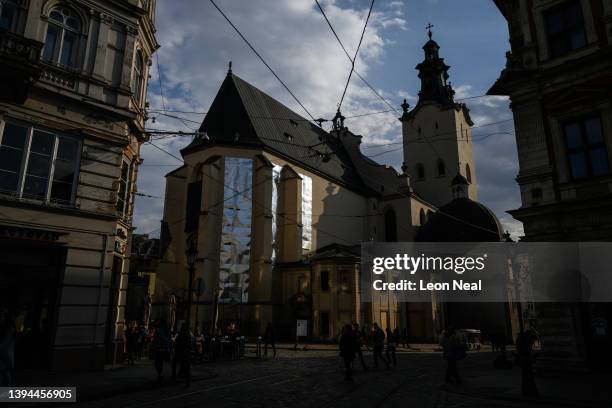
{"x": 74, "y": 77}
{"x": 559, "y": 78}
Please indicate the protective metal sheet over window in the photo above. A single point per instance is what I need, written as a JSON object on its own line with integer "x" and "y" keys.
{"x": 306, "y": 212}
{"x": 276, "y": 174}
{"x": 236, "y": 231}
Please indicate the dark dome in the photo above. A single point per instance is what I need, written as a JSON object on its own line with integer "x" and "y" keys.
{"x": 461, "y": 220}
{"x": 431, "y": 44}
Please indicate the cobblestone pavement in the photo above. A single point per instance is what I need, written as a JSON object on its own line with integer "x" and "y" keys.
{"x": 315, "y": 379}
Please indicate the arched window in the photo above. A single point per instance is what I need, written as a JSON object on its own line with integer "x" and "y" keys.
{"x": 441, "y": 168}
{"x": 422, "y": 217}
{"x": 138, "y": 80}
{"x": 390, "y": 226}
{"x": 468, "y": 173}
{"x": 420, "y": 171}
{"x": 62, "y": 40}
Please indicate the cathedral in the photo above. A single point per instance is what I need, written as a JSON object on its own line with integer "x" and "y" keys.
{"x": 277, "y": 209}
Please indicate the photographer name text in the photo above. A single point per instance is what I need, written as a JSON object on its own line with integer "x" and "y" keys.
{"x": 422, "y": 285}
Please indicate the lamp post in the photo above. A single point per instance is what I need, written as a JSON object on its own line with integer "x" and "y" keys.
{"x": 198, "y": 293}
{"x": 191, "y": 254}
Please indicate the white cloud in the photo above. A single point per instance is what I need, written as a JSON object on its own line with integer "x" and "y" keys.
{"x": 293, "y": 37}
{"x": 197, "y": 44}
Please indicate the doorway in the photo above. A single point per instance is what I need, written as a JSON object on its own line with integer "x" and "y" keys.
{"x": 29, "y": 286}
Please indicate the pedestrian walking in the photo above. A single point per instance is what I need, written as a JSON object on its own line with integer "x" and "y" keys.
{"x": 141, "y": 338}
{"x": 7, "y": 348}
{"x": 161, "y": 348}
{"x": 391, "y": 345}
{"x": 181, "y": 353}
{"x": 358, "y": 338}
{"x": 269, "y": 338}
{"x": 199, "y": 346}
{"x": 405, "y": 337}
{"x": 131, "y": 342}
{"x": 524, "y": 347}
{"x": 454, "y": 349}
{"x": 365, "y": 337}
{"x": 397, "y": 336}
{"x": 378, "y": 339}
{"x": 347, "y": 350}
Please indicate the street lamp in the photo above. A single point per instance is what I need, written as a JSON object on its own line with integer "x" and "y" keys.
{"x": 192, "y": 255}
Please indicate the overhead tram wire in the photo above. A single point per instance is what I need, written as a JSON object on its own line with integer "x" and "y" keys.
{"x": 437, "y": 209}
{"x": 325, "y": 232}
{"x": 392, "y": 109}
{"x": 159, "y": 77}
{"x": 353, "y": 63}
{"x": 163, "y": 134}
{"x": 331, "y": 27}
{"x": 363, "y": 175}
{"x": 401, "y": 147}
{"x": 375, "y": 145}
{"x": 250, "y": 199}
{"x": 262, "y": 59}
{"x": 348, "y": 80}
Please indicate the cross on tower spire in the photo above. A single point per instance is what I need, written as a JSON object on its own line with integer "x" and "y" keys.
{"x": 429, "y": 27}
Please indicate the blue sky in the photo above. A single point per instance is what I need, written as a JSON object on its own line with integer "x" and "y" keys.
{"x": 197, "y": 43}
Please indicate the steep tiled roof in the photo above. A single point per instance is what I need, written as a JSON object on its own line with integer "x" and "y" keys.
{"x": 242, "y": 115}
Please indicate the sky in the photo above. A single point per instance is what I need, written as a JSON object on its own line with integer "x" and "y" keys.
{"x": 292, "y": 36}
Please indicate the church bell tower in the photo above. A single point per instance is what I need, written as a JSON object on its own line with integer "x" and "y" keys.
{"x": 437, "y": 133}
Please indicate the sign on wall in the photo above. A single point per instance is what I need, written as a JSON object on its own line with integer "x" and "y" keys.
{"x": 301, "y": 328}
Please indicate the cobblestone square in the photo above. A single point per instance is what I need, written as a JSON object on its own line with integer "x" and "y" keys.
{"x": 315, "y": 379}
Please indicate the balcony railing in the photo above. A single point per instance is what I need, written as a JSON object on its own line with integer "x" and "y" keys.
{"x": 19, "y": 65}
{"x": 18, "y": 50}
{"x": 60, "y": 75}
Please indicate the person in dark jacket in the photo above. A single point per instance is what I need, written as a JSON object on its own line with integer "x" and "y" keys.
{"x": 347, "y": 350}
{"x": 391, "y": 345}
{"x": 269, "y": 338}
{"x": 524, "y": 347}
{"x": 378, "y": 338}
{"x": 161, "y": 348}
{"x": 131, "y": 342}
{"x": 359, "y": 344}
{"x": 182, "y": 351}
{"x": 454, "y": 349}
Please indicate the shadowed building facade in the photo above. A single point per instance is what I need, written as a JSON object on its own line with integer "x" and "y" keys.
{"x": 279, "y": 207}
{"x": 73, "y": 84}
{"x": 558, "y": 75}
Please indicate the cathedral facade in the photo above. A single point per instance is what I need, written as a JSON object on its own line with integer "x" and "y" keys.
{"x": 278, "y": 208}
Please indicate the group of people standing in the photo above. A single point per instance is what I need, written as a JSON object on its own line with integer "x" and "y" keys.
{"x": 135, "y": 339}
{"x": 352, "y": 341}
{"x": 169, "y": 347}
{"x": 187, "y": 346}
